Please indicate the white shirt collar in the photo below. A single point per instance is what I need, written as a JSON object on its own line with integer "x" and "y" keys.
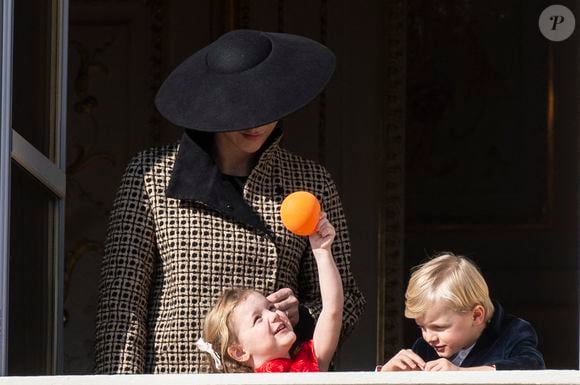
{"x": 460, "y": 355}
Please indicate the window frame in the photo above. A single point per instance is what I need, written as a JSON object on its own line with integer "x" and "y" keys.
{"x": 49, "y": 172}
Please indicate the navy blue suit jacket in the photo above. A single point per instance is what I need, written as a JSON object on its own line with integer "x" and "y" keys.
{"x": 508, "y": 342}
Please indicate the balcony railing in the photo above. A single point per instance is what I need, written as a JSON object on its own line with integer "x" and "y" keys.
{"x": 541, "y": 377}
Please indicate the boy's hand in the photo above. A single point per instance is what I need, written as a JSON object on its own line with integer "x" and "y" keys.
{"x": 405, "y": 360}
{"x": 324, "y": 234}
{"x": 440, "y": 365}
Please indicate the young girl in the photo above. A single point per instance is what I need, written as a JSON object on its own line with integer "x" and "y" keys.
{"x": 249, "y": 333}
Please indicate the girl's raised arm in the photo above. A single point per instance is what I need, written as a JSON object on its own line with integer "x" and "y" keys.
{"x": 328, "y": 326}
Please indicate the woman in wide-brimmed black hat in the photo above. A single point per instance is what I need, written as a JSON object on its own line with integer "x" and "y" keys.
{"x": 193, "y": 218}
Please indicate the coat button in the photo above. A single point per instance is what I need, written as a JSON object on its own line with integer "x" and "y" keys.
{"x": 229, "y": 206}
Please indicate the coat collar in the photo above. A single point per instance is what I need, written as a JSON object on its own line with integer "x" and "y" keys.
{"x": 488, "y": 337}
{"x": 196, "y": 177}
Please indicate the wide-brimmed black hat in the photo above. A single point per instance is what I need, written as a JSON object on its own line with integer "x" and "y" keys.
{"x": 245, "y": 79}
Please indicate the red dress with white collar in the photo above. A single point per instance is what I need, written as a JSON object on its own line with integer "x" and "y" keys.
{"x": 304, "y": 361}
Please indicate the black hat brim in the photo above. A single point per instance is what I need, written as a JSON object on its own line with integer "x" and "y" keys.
{"x": 294, "y": 72}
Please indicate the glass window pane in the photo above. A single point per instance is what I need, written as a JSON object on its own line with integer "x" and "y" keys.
{"x": 30, "y": 269}
{"x": 31, "y": 72}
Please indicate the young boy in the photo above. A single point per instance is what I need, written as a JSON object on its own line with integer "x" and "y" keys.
{"x": 461, "y": 328}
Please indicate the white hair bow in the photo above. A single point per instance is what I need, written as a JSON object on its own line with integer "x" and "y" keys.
{"x": 207, "y": 348}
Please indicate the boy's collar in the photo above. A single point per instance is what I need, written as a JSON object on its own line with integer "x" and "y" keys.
{"x": 460, "y": 356}
{"x": 492, "y": 328}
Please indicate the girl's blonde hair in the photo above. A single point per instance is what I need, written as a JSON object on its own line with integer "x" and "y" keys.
{"x": 449, "y": 277}
{"x": 217, "y": 329}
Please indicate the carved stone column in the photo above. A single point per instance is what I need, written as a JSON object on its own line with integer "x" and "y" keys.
{"x": 391, "y": 220}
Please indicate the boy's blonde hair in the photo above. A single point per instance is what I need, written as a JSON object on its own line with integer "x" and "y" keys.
{"x": 449, "y": 277}
{"x": 217, "y": 326}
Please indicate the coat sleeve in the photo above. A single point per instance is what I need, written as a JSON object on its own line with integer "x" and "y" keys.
{"x": 424, "y": 350}
{"x": 521, "y": 351}
{"x": 126, "y": 278}
{"x": 309, "y": 290}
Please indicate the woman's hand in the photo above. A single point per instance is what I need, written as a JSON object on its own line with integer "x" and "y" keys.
{"x": 285, "y": 300}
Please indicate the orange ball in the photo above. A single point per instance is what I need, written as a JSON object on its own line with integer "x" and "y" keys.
{"x": 300, "y": 212}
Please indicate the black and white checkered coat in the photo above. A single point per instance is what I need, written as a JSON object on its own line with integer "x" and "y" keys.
{"x": 180, "y": 233}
